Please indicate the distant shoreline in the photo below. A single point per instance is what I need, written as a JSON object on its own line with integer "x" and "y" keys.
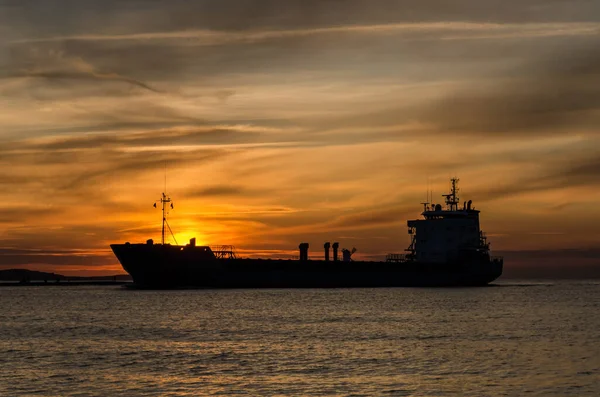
{"x": 61, "y": 283}
{"x": 25, "y": 277}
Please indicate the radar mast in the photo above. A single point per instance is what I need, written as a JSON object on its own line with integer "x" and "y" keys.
{"x": 452, "y": 199}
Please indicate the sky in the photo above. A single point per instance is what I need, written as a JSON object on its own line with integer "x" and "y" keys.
{"x": 279, "y": 122}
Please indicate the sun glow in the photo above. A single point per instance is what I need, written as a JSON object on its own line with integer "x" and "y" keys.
{"x": 185, "y": 237}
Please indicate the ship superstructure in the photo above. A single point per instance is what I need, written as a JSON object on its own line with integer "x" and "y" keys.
{"x": 447, "y": 235}
{"x": 447, "y": 249}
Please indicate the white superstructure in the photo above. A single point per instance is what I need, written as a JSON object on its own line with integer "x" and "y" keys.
{"x": 446, "y": 235}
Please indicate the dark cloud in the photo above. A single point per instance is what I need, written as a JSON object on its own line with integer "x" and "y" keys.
{"x": 554, "y": 175}
{"x": 558, "y": 93}
{"x": 137, "y": 59}
{"x": 86, "y": 166}
{"x": 558, "y": 254}
{"x": 54, "y": 65}
{"x": 311, "y": 222}
{"x": 25, "y": 213}
{"x": 9, "y": 179}
{"x": 120, "y": 166}
{"x": 180, "y": 59}
{"x": 234, "y": 191}
{"x": 218, "y": 191}
{"x": 192, "y": 140}
{"x": 158, "y": 138}
{"x": 90, "y": 234}
{"x": 73, "y": 75}
{"x": 175, "y": 61}
{"x": 576, "y": 263}
{"x": 33, "y": 251}
{"x": 59, "y": 18}
{"x": 554, "y": 93}
{"x": 375, "y": 217}
{"x": 107, "y": 115}
{"x": 17, "y": 257}
{"x": 581, "y": 171}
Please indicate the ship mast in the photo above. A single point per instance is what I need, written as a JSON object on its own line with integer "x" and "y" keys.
{"x": 164, "y": 200}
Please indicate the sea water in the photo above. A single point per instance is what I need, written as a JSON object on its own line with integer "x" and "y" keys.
{"x": 511, "y": 339}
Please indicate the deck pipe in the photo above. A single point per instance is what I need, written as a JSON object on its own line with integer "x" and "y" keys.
{"x": 303, "y": 251}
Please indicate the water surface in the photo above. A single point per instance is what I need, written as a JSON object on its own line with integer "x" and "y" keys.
{"x": 514, "y": 339}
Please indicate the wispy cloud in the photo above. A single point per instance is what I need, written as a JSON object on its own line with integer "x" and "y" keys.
{"x": 57, "y": 66}
{"x": 550, "y": 94}
{"x": 442, "y": 30}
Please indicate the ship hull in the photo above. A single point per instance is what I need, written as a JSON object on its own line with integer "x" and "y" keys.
{"x": 166, "y": 266}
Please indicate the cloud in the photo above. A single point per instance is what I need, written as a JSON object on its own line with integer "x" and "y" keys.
{"x": 21, "y": 214}
{"x": 554, "y": 175}
{"x": 166, "y": 144}
{"x": 219, "y": 191}
{"x": 52, "y": 65}
{"x": 166, "y": 45}
{"x": 143, "y": 16}
{"x": 556, "y": 254}
{"x": 581, "y": 171}
{"x": 125, "y": 167}
{"x": 540, "y": 95}
{"x": 451, "y": 30}
{"x": 10, "y": 257}
{"x": 373, "y": 217}
{"x": 75, "y": 75}
{"x": 551, "y": 95}
{"x": 177, "y": 136}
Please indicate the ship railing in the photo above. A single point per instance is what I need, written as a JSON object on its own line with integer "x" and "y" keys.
{"x": 397, "y": 258}
{"x": 224, "y": 252}
{"x": 496, "y": 259}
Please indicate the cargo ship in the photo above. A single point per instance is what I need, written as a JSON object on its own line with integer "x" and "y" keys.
{"x": 447, "y": 248}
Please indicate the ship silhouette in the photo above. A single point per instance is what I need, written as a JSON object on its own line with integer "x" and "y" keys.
{"x": 447, "y": 248}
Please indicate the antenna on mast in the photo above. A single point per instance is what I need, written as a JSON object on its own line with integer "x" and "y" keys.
{"x": 426, "y": 203}
{"x": 428, "y": 200}
{"x": 429, "y": 192}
